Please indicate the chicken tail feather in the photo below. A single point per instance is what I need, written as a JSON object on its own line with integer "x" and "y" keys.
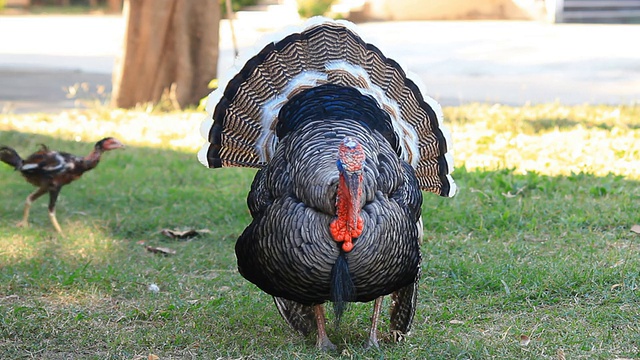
{"x": 10, "y": 156}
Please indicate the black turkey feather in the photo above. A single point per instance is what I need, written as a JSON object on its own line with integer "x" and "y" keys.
{"x": 344, "y": 141}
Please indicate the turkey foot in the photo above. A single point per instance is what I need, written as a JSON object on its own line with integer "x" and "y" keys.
{"x": 323, "y": 343}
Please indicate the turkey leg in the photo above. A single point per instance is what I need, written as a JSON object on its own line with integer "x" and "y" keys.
{"x": 323, "y": 342}
{"x": 373, "y": 333}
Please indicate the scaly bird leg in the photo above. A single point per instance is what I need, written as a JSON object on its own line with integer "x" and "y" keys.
{"x": 53, "y": 197}
{"x": 54, "y": 221}
{"x": 323, "y": 343}
{"x": 373, "y": 333}
{"x": 27, "y": 206}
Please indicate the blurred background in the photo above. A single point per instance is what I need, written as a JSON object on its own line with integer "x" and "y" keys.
{"x": 54, "y": 53}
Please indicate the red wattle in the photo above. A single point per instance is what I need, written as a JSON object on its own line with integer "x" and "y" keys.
{"x": 341, "y": 228}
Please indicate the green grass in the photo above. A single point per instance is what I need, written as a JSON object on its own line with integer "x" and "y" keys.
{"x": 523, "y": 249}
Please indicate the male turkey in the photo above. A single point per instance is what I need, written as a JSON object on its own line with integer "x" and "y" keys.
{"x": 344, "y": 141}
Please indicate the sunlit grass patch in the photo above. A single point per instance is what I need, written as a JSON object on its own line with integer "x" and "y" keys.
{"x": 548, "y": 139}
{"x": 177, "y": 130}
{"x": 536, "y": 119}
{"x": 577, "y": 150}
{"x": 17, "y": 247}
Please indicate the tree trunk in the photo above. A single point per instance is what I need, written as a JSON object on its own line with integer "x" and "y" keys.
{"x": 170, "y": 48}
{"x": 114, "y": 6}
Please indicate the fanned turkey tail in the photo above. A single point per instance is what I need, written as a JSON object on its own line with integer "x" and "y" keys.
{"x": 242, "y": 128}
{"x": 10, "y": 157}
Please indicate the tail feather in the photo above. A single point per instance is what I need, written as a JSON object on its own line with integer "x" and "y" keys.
{"x": 244, "y": 111}
{"x": 403, "y": 309}
{"x": 342, "y": 288}
{"x": 299, "y": 316}
{"x": 10, "y": 156}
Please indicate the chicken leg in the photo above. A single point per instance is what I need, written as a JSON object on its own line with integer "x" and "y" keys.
{"x": 53, "y": 197}
{"x": 27, "y": 206}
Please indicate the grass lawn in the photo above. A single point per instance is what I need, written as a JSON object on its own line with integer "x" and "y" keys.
{"x": 533, "y": 259}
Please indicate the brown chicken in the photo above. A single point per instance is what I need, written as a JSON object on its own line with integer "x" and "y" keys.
{"x": 50, "y": 170}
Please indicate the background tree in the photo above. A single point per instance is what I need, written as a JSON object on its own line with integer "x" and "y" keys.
{"x": 170, "y": 49}
{"x": 114, "y": 6}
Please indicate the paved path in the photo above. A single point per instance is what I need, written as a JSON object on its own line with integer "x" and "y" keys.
{"x": 509, "y": 62}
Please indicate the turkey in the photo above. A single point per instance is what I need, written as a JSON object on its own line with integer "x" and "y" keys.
{"x": 344, "y": 142}
{"x": 50, "y": 170}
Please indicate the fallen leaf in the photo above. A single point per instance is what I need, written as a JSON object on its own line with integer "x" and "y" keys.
{"x": 183, "y": 235}
{"x": 618, "y": 263}
{"x": 140, "y": 242}
{"x": 532, "y": 238}
{"x": 636, "y": 229}
{"x": 524, "y": 340}
{"x": 456, "y": 322}
{"x": 160, "y": 250}
{"x": 560, "y": 354}
{"x": 397, "y": 336}
{"x": 506, "y": 287}
{"x": 10, "y": 297}
{"x": 509, "y": 195}
{"x": 615, "y": 286}
{"x": 153, "y": 357}
{"x": 479, "y": 191}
